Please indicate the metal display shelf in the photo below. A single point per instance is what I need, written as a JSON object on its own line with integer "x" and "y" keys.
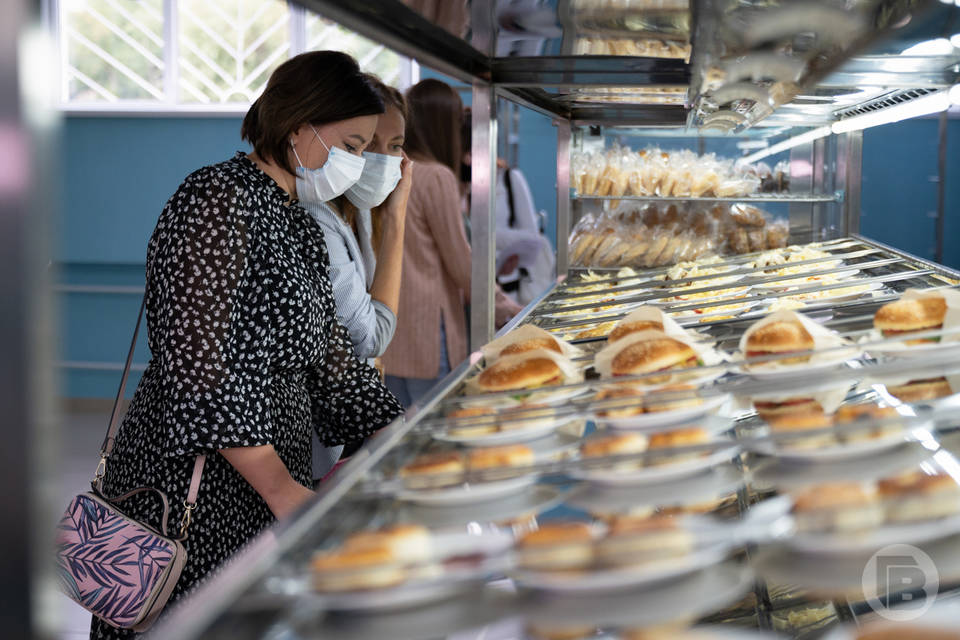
{"x": 265, "y": 592}
{"x": 771, "y": 197}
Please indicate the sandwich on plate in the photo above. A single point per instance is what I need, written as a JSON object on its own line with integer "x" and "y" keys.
{"x": 911, "y": 315}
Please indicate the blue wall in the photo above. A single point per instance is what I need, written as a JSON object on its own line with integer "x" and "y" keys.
{"x": 899, "y": 196}
{"x": 117, "y": 175}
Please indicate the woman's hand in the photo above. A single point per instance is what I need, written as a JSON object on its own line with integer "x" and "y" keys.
{"x": 266, "y": 473}
{"x": 394, "y": 207}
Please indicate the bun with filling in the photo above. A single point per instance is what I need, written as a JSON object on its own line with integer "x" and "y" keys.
{"x": 911, "y": 316}
{"x": 657, "y": 353}
{"x": 770, "y": 410}
{"x": 523, "y": 346}
{"x": 781, "y": 337}
{"x": 921, "y": 390}
{"x": 531, "y": 373}
{"x": 626, "y": 328}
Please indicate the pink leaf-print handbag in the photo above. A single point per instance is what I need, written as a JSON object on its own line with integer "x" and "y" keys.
{"x": 117, "y": 568}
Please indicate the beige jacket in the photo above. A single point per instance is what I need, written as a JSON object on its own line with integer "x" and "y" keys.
{"x": 436, "y": 277}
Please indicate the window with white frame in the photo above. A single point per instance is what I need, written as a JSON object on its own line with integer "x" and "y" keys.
{"x": 193, "y": 54}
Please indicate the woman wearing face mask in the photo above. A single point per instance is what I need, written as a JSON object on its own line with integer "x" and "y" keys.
{"x": 431, "y": 335}
{"x": 247, "y": 355}
{"x": 363, "y": 230}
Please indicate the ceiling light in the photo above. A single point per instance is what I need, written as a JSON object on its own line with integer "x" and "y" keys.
{"x": 935, "y": 47}
{"x": 932, "y": 103}
{"x": 789, "y": 143}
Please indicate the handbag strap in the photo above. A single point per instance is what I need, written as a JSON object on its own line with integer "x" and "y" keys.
{"x": 106, "y": 448}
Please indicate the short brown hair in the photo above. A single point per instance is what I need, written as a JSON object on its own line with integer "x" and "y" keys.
{"x": 315, "y": 88}
{"x": 433, "y": 127}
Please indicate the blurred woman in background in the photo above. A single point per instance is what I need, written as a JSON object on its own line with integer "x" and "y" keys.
{"x": 431, "y": 335}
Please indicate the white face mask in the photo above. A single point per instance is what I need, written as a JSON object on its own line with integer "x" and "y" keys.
{"x": 380, "y": 176}
{"x": 338, "y": 173}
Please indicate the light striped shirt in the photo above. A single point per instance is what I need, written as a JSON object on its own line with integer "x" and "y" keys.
{"x": 371, "y": 323}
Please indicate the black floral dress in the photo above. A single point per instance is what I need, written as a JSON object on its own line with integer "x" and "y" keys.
{"x": 246, "y": 351}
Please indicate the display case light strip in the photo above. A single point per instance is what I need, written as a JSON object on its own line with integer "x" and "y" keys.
{"x": 789, "y": 143}
{"x": 932, "y": 103}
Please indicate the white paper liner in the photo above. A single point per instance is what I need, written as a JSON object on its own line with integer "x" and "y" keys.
{"x": 491, "y": 351}
{"x": 896, "y": 381}
{"x": 950, "y": 321}
{"x": 569, "y": 371}
{"x": 823, "y": 338}
{"x": 603, "y": 360}
{"x": 654, "y": 314}
{"x": 829, "y": 399}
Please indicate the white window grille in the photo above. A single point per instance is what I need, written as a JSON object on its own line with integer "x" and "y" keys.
{"x": 193, "y": 55}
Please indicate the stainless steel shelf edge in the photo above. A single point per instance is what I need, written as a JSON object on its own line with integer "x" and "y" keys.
{"x": 751, "y": 198}
{"x": 407, "y": 32}
{"x": 928, "y": 264}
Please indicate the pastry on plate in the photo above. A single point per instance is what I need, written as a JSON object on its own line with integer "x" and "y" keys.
{"x": 557, "y": 546}
{"x": 434, "y": 470}
{"x": 920, "y": 496}
{"x": 850, "y": 414}
{"x": 911, "y": 315}
{"x": 837, "y": 507}
{"x": 626, "y": 408}
{"x": 473, "y": 424}
{"x": 510, "y": 455}
{"x": 683, "y": 437}
{"x": 357, "y": 568}
{"x": 411, "y": 543}
{"x": 640, "y": 541}
{"x": 614, "y": 445}
{"x": 798, "y": 426}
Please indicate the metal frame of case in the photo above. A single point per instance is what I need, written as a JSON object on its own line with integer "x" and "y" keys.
{"x": 826, "y": 210}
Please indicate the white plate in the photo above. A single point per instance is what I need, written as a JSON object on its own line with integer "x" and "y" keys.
{"x": 878, "y": 537}
{"x": 531, "y": 502}
{"x": 503, "y": 401}
{"x": 713, "y": 314}
{"x": 626, "y": 578}
{"x": 799, "y": 280}
{"x": 787, "y": 371}
{"x": 659, "y": 419}
{"x": 840, "y": 297}
{"x": 842, "y": 452}
{"x": 903, "y": 350}
{"x": 503, "y": 437}
{"x": 492, "y": 545}
{"x": 467, "y": 493}
{"x": 656, "y": 473}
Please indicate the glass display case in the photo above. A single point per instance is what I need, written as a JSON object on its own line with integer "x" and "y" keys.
{"x": 628, "y": 458}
